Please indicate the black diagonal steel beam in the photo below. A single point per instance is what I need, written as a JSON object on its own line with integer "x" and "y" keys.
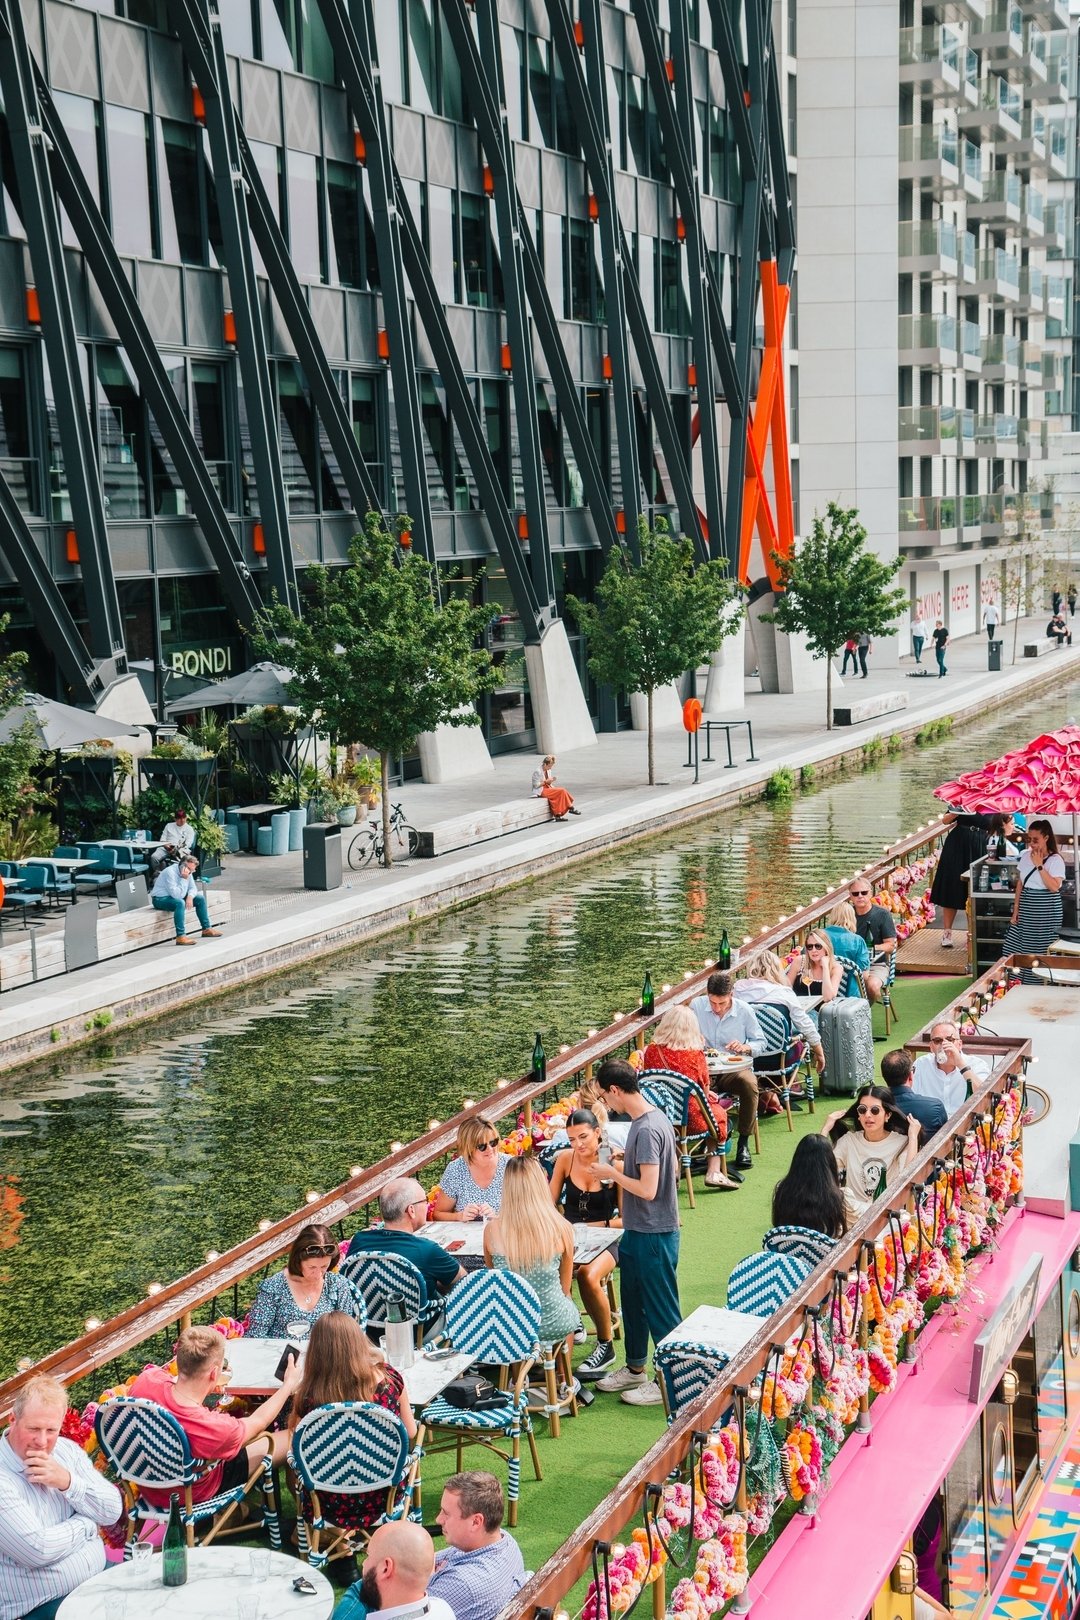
{"x": 51, "y": 614}
{"x": 364, "y": 91}
{"x": 199, "y": 27}
{"x": 732, "y": 70}
{"x": 676, "y": 116}
{"x": 483, "y": 90}
{"x": 585, "y": 99}
{"x": 783, "y": 215}
{"x": 123, "y": 306}
{"x": 42, "y": 224}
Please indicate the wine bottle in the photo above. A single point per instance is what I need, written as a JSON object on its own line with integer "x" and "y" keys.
{"x": 539, "y": 1059}
{"x": 174, "y": 1548}
{"x": 648, "y": 1000}
{"x": 395, "y": 1308}
{"x": 723, "y": 956}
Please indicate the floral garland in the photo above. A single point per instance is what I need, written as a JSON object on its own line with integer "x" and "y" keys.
{"x": 714, "y": 1489}
{"x": 803, "y": 1459}
{"x": 720, "y": 1572}
{"x": 629, "y": 1571}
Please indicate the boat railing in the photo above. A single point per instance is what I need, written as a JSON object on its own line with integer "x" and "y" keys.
{"x": 172, "y": 1305}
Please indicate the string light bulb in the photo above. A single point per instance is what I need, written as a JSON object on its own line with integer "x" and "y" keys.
{"x": 264, "y": 1226}
{"x": 311, "y": 1197}
{"x": 25, "y": 1363}
{"x": 664, "y": 988}
{"x": 212, "y": 1255}
{"x": 92, "y": 1322}
{"x": 153, "y": 1288}
{"x": 433, "y": 1124}
{"x": 355, "y": 1169}
{"x": 395, "y": 1147}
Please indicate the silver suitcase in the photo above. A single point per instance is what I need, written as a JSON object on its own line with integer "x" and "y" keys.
{"x": 848, "y": 1041}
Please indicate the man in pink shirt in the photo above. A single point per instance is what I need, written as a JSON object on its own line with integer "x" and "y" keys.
{"x": 236, "y": 1444}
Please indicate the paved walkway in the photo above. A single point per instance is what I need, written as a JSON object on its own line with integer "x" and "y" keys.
{"x": 277, "y": 922}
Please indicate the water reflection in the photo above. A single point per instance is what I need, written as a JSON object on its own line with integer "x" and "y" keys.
{"x": 124, "y": 1168}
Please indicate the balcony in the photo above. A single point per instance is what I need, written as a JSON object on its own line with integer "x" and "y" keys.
{"x": 998, "y": 276}
{"x": 1029, "y": 292}
{"x": 998, "y": 112}
{"x": 1035, "y": 212}
{"x": 1051, "y": 13}
{"x": 1001, "y": 36}
{"x": 969, "y": 257}
{"x": 931, "y": 58}
{"x": 996, "y": 435}
{"x": 1000, "y": 357}
{"x": 1032, "y": 363}
{"x": 1054, "y": 228}
{"x": 1031, "y": 149}
{"x": 1035, "y": 52}
{"x": 1050, "y": 370}
{"x": 1054, "y": 89}
{"x": 1002, "y": 202}
{"x": 1033, "y": 440}
{"x": 934, "y": 430}
{"x": 929, "y": 247}
{"x": 1059, "y": 151}
{"x": 1054, "y": 293}
{"x": 970, "y": 11}
{"x": 931, "y": 157}
{"x": 926, "y": 520}
{"x": 970, "y": 346}
{"x": 929, "y": 340}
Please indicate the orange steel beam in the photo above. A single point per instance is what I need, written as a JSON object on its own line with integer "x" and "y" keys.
{"x": 773, "y": 519}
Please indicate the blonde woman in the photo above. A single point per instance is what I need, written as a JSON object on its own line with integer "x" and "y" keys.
{"x": 678, "y": 1044}
{"x": 529, "y": 1236}
{"x": 543, "y": 787}
{"x": 764, "y": 980}
{"x": 840, "y": 927}
{"x": 470, "y": 1188}
{"x": 815, "y": 971}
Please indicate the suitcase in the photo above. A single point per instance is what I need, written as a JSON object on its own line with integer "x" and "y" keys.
{"x": 848, "y": 1041}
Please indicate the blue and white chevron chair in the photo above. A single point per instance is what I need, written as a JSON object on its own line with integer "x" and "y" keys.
{"x": 671, "y": 1093}
{"x": 149, "y": 1450}
{"x": 776, "y": 1065}
{"x": 380, "y": 1277}
{"x": 851, "y": 979}
{"x": 493, "y": 1316}
{"x": 686, "y": 1369}
{"x": 350, "y": 1448}
{"x": 764, "y": 1281}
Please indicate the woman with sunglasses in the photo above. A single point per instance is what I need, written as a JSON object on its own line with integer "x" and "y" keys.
{"x": 291, "y": 1300}
{"x": 815, "y": 971}
{"x": 578, "y": 1188}
{"x": 470, "y": 1188}
{"x": 1037, "y": 912}
{"x": 874, "y": 1141}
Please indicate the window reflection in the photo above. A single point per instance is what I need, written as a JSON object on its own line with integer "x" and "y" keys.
{"x": 181, "y": 214}
{"x": 80, "y": 120}
{"x": 16, "y": 462}
{"x": 121, "y": 442}
{"x": 127, "y": 144}
{"x": 304, "y": 214}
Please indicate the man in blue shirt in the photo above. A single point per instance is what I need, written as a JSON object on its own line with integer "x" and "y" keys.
{"x": 403, "y": 1206}
{"x": 175, "y": 890}
{"x": 731, "y": 1028}
{"x": 896, "y": 1071}
{"x": 482, "y": 1567}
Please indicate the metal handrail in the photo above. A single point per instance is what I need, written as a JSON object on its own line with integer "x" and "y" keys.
{"x": 209, "y": 1282}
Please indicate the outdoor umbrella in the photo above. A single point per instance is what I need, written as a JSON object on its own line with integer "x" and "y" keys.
{"x": 59, "y": 725}
{"x": 262, "y": 683}
{"x": 1040, "y": 779}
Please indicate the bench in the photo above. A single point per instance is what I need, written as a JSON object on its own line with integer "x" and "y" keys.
{"x": 43, "y": 956}
{"x": 480, "y": 825}
{"x": 1035, "y": 649}
{"x": 869, "y": 708}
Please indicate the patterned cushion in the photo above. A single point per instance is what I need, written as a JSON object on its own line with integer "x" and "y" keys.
{"x": 145, "y": 1443}
{"x": 764, "y": 1281}
{"x": 494, "y": 1316}
{"x": 801, "y": 1242}
{"x": 501, "y": 1418}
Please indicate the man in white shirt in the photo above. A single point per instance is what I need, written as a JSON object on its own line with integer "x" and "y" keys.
{"x": 399, "y": 1562}
{"x": 52, "y": 1502}
{"x": 990, "y": 619}
{"x": 946, "y": 1071}
{"x": 178, "y": 837}
{"x": 175, "y": 890}
{"x": 731, "y": 1027}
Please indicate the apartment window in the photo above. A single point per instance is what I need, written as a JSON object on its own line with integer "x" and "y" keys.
{"x": 423, "y": 72}
{"x": 514, "y": 79}
{"x": 554, "y": 269}
{"x": 345, "y": 209}
{"x": 495, "y": 405}
{"x": 16, "y": 462}
{"x": 792, "y": 115}
{"x": 305, "y": 215}
{"x": 582, "y": 272}
{"x": 293, "y": 36}
{"x": 673, "y": 309}
{"x": 792, "y": 28}
{"x": 10, "y": 223}
{"x": 389, "y": 40}
{"x": 367, "y": 427}
{"x": 296, "y": 430}
{"x": 168, "y": 494}
{"x": 483, "y": 274}
{"x": 442, "y": 243}
{"x": 437, "y": 433}
{"x": 210, "y": 425}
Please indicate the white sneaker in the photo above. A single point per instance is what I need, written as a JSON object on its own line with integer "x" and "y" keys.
{"x": 644, "y": 1395}
{"x": 613, "y": 1383}
{"x": 946, "y": 939}
{"x": 580, "y": 1336}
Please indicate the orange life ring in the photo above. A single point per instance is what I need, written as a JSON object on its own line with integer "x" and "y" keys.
{"x": 691, "y": 714}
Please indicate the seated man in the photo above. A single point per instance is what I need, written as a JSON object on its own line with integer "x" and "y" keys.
{"x": 896, "y": 1071}
{"x": 403, "y": 1206}
{"x": 731, "y": 1026}
{"x": 178, "y": 837}
{"x": 397, "y": 1568}
{"x": 235, "y": 1444}
{"x": 1059, "y": 631}
{"x": 482, "y": 1566}
{"x": 945, "y": 1072}
{"x": 875, "y": 925}
{"x": 175, "y": 890}
{"x": 52, "y": 1503}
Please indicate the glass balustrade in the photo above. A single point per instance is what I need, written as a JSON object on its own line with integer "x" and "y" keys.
{"x": 920, "y": 45}
{"x": 997, "y": 265}
{"x": 928, "y": 332}
{"x": 926, "y": 514}
{"x": 927, "y": 143}
{"x": 998, "y": 349}
{"x": 928, "y": 238}
{"x": 970, "y": 339}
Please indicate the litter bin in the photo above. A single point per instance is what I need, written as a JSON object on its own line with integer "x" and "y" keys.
{"x": 322, "y": 855}
{"x": 994, "y": 663}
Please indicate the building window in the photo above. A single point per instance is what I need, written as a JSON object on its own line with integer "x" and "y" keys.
{"x": 389, "y": 39}
{"x": 440, "y": 460}
{"x": 80, "y": 120}
{"x": 367, "y": 427}
{"x": 549, "y": 105}
{"x": 121, "y": 439}
{"x": 673, "y": 309}
{"x": 423, "y": 67}
{"x": 182, "y": 235}
{"x": 305, "y": 221}
{"x": 296, "y": 430}
{"x": 292, "y": 35}
{"x": 168, "y": 493}
{"x": 495, "y": 405}
{"x": 210, "y": 424}
{"x": 127, "y": 146}
{"x": 10, "y": 223}
{"x": 345, "y": 208}
{"x": 554, "y": 269}
{"x": 442, "y": 243}
{"x": 581, "y": 264}
{"x": 17, "y": 463}
{"x": 792, "y": 115}
{"x": 513, "y": 79}
{"x": 483, "y": 279}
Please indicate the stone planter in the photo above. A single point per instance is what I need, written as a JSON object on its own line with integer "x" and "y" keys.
{"x": 347, "y": 815}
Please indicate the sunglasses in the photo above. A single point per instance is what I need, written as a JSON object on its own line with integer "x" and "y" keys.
{"x": 869, "y": 1111}
{"x": 318, "y": 1251}
{"x": 811, "y": 947}
{"x": 939, "y": 1040}
{"x": 860, "y": 894}
{"x": 492, "y": 1142}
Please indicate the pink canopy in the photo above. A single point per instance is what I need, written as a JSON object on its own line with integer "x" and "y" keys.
{"x": 1042, "y": 778}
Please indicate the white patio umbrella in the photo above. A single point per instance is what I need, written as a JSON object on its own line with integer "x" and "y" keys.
{"x": 60, "y": 725}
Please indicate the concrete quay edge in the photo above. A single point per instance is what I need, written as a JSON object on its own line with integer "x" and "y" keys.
{"x": 147, "y": 984}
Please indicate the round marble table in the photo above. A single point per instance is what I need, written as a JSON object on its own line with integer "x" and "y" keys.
{"x": 217, "y": 1578}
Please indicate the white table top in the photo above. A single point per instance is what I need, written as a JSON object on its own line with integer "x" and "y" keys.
{"x": 717, "y": 1327}
{"x": 589, "y": 1241}
{"x": 63, "y": 863}
{"x": 131, "y": 843}
{"x": 217, "y": 1576}
{"x": 253, "y": 1362}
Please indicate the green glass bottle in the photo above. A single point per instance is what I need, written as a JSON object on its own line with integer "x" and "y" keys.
{"x": 882, "y": 1183}
{"x": 648, "y": 1000}
{"x": 539, "y": 1058}
{"x": 174, "y": 1548}
{"x": 723, "y": 955}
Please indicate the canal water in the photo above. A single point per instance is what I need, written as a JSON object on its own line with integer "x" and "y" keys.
{"x": 123, "y": 1166}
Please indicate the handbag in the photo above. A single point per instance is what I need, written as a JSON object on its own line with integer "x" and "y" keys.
{"x": 474, "y": 1393}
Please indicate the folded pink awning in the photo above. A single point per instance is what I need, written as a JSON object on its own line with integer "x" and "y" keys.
{"x": 1042, "y": 778}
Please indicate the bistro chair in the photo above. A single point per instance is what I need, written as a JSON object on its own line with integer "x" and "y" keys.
{"x": 46, "y": 877}
{"x": 762, "y": 1282}
{"x": 380, "y": 1277}
{"x": 671, "y": 1093}
{"x": 128, "y": 862}
{"x": 150, "y": 1451}
{"x": 493, "y": 1316}
{"x": 775, "y": 1067}
{"x": 686, "y": 1371}
{"x": 886, "y": 990}
{"x": 350, "y": 1448}
{"x": 851, "y": 980}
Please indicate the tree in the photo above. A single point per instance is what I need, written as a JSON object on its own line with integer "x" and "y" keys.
{"x": 654, "y": 620}
{"x": 833, "y": 588}
{"x": 377, "y": 658}
{"x": 21, "y": 798}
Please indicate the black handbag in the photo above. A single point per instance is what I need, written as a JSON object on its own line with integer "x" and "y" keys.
{"x": 473, "y": 1393}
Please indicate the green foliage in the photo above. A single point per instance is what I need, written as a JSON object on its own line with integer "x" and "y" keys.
{"x": 99, "y": 1020}
{"x": 896, "y": 743}
{"x": 781, "y": 784}
{"x": 654, "y": 620}
{"x": 179, "y": 748}
{"x": 54, "y": 1034}
{"x": 152, "y": 808}
{"x": 873, "y": 750}
{"x": 377, "y": 659}
{"x": 270, "y": 717}
{"x": 210, "y": 836}
{"x": 833, "y": 588}
{"x": 807, "y": 776}
{"x": 294, "y": 791}
{"x": 20, "y": 755}
{"x": 933, "y": 731}
{"x": 210, "y": 736}
{"x": 32, "y": 832}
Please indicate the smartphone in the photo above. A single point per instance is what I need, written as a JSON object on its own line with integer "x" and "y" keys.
{"x": 303, "y": 1586}
{"x": 288, "y": 1356}
{"x": 604, "y": 1154}
{"x": 440, "y": 1355}
{"x": 458, "y": 1243}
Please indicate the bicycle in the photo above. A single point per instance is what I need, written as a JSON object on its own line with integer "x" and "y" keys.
{"x": 368, "y": 845}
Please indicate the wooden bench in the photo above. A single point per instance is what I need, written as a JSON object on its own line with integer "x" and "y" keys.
{"x": 33, "y": 955}
{"x": 868, "y": 708}
{"x": 480, "y": 825}
{"x": 1035, "y": 649}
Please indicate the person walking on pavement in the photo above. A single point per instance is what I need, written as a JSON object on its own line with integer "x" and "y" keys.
{"x": 850, "y": 646}
{"x": 866, "y": 647}
{"x": 920, "y": 635}
{"x": 941, "y": 641}
{"x": 1072, "y": 600}
{"x": 990, "y": 619}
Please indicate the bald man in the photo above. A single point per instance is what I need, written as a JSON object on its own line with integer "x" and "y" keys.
{"x": 393, "y": 1585}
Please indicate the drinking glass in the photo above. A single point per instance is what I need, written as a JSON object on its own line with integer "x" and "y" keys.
{"x": 247, "y": 1608}
{"x": 115, "y": 1606}
{"x": 141, "y": 1554}
{"x": 260, "y": 1564}
{"x": 297, "y": 1332}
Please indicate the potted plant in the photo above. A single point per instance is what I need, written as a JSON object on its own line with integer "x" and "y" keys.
{"x": 367, "y": 778}
{"x": 210, "y": 842}
{"x": 346, "y": 800}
